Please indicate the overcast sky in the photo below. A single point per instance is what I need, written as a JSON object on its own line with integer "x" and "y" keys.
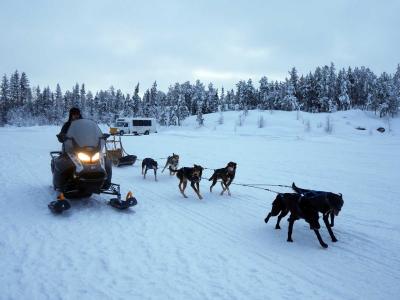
{"x": 120, "y": 43}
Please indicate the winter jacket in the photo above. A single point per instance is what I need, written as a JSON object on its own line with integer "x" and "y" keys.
{"x": 65, "y": 127}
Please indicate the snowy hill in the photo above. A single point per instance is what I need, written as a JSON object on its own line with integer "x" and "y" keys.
{"x": 169, "y": 247}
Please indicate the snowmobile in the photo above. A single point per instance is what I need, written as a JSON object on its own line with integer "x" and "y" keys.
{"x": 81, "y": 168}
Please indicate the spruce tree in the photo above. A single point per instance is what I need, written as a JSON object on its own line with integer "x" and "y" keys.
{"x": 263, "y": 93}
{"x": 82, "y": 98}
{"x": 200, "y": 119}
{"x": 4, "y": 100}
{"x": 343, "y": 97}
{"x": 15, "y": 91}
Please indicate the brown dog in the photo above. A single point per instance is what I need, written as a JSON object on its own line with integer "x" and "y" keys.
{"x": 172, "y": 164}
{"x": 149, "y": 164}
{"x": 226, "y": 175}
{"x": 190, "y": 174}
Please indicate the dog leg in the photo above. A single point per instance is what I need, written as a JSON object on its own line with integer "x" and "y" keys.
{"x": 182, "y": 189}
{"x": 267, "y": 218}
{"x": 227, "y": 184}
{"x": 282, "y": 215}
{"x": 227, "y": 188}
{"x": 328, "y": 226}
{"x": 193, "y": 185}
{"x": 290, "y": 229}
{"x": 155, "y": 174}
{"x": 213, "y": 183}
{"x": 223, "y": 188}
{"x": 332, "y": 219}
{"x": 321, "y": 242}
{"x": 145, "y": 172}
{"x": 198, "y": 189}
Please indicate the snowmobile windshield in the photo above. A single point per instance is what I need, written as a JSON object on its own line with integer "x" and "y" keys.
{"x": 83, "y": 133}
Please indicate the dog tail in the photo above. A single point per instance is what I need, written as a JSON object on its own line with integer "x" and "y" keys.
{"x": 295, "y": 188}
{"x": 300, "y": 190}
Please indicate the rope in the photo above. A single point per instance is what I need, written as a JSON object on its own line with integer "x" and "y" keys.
{"x": 256, "y": 187}
{"x": 256, "y": 184}
{"x": 250, "y": 186}
{"x": 266, "y": 184}
{"x": 140, "y": 159}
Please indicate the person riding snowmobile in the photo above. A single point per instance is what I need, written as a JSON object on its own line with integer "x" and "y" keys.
{"x": 81, "y": 168}
{"x": 74, "y": 114}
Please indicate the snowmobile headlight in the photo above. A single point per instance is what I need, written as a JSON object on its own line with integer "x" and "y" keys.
{"x": 96, "y": 156}
{"x": 83, "y": 157}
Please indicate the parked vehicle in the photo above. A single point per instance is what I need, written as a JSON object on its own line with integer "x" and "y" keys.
{"x": 134, "y": 126}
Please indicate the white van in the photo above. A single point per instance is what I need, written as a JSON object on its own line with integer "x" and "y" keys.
{"x": 135, "y": 126}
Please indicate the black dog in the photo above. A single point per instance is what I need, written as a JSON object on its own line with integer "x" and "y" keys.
{"x": 299, "y": 208}
{"x": 172, "y": 162}
{"x": 226, "y": 175}
{"x": 327, "y": 203}
{"x": 281, "y": 207}
{"x": 190, "y": 174}
{"x": 149, "y": 163}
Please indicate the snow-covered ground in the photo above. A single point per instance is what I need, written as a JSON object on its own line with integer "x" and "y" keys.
{"x": 169, "y": 247}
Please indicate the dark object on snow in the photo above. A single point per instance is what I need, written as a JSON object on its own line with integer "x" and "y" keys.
{"x": 58, "y": 206}
{"x": 82, "y": 169}
{"x": 127, "y": 160}
{"x": 299, "y": 208}
{"x": 360, "y": 128}
{"x": 306, "y": 204}
{"x": 189, "y": 174}
{"x": 327, "y": 203}
{"x": 226, "y": 175}
{"x": 149, "y": 164}
{"x": 120, "y": 204}
{"x": 381, "y": 129}
{"x": 117, "y": 154}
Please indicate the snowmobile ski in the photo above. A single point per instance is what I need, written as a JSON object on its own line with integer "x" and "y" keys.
{"x": 123, "y": 204}
{"x": 59, "y": 205}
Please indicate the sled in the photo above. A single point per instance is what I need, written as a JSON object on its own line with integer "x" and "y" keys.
{"x": 117, "y": 154}
{"x": 113, "y": 131}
